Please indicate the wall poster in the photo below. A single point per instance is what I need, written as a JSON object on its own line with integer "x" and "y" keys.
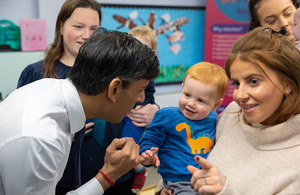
{"x": 180, "y": 34}
{"x": 226, "y": 21}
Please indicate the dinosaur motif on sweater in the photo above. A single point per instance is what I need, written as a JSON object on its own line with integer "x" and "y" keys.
{"x": 197, "y": 145}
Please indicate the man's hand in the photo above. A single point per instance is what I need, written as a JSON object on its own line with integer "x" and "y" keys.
{"x": 121, "y": 156}
{"x": 207, "y": 180}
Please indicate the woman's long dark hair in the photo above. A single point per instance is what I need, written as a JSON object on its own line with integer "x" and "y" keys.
{"x": 56, "y": 49}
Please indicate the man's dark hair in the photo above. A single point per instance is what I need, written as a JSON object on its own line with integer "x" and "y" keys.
{"x": 112, "y": 54}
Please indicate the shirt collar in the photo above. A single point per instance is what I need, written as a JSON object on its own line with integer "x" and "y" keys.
{"x": 74, "y": 106}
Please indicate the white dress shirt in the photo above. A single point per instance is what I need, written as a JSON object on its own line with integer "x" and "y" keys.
{"x": 37, "y": 122}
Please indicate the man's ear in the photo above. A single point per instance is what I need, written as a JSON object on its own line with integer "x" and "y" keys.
{"x": 114, "y": 88}
{"x": 218, "y": 103}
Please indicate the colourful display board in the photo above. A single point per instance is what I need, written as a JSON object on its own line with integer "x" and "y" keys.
{"x": 225, "y": 22}
{"x": 180, "y": 35}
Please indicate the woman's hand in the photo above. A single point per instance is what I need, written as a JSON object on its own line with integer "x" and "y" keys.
{"x": 161, "y": 190}
{"x": 141, "y": 116}
{"x": 166, "y": 191}
{"x": 89, "y": 127}
{"x": 208, "y": 179}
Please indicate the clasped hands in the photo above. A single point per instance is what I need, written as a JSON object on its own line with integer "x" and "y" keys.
{"x": 121, "y": 156}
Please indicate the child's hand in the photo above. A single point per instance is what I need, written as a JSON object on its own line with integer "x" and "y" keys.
{"x": 150, "y": 157}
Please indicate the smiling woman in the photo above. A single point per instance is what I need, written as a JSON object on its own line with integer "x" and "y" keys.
{"x": 71, "y": 31}
{"x": 257, "y": 90}
{"x": 262, "y": 123}
{"x": 76, "y": 30}
{"x": 267, "y": 13}
{"x": 274, "y": 66}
